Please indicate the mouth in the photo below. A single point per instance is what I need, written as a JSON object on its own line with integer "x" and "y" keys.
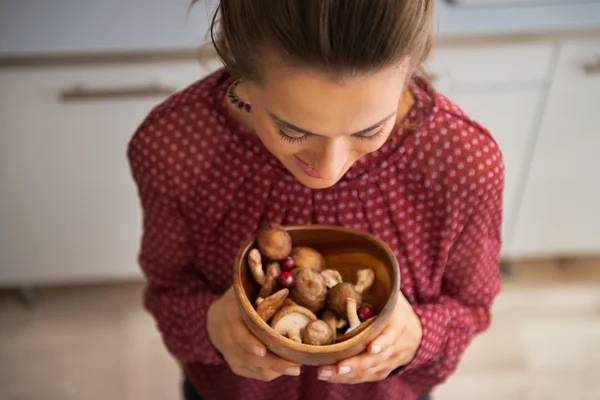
{"x": 308, "y": 170}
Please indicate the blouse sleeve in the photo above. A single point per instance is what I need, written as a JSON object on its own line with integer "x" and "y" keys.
{"x": 470, "y": 283}
{"x": 176, "y": 295}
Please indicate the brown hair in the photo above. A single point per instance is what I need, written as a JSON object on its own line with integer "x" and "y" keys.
{"x": 340, "y": 37}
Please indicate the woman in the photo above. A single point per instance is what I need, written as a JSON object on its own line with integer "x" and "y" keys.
{"x": 319, "y": 118}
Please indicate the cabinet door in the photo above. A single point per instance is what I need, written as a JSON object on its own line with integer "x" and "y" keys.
{"x": 69, "y": 209}
{"x": 510, "y": 116}
{"x": 559, "y": 213}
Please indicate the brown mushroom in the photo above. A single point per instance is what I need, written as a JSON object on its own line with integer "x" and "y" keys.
{"x": 255, "y": 265}
{"x": 274, "y": 242}
{"x": 269, "y": 306}
{"x": 290, "y": 321}
{"x": 307, "y": 257}
{"x": 273, "y": 271}
{"x": 333, "y": 321}
{"x": 338, "y": 296}
{"x": 332, "y": 277}
{"x": 309, "y": 290}
{"x": 318, "y": 333}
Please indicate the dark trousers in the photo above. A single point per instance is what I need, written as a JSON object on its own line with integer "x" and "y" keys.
{"x": 190, "y": 393}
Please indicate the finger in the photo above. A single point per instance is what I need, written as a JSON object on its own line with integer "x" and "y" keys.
{"x": 386, "y": 340}
{"x": 362, "y": 368}
{"x": 258, "y": 374}
{"x": 248, "y": 342}
{"x": 273, "y": 363}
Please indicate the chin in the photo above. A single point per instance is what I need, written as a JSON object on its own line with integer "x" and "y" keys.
{"x": 316, "y": 183}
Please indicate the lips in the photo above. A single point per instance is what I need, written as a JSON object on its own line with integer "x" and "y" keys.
{"x": 310, "y": 171}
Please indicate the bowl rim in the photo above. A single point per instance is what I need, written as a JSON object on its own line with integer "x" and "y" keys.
{"x": 245, "y": 303}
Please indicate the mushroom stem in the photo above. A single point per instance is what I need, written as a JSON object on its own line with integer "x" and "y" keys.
{"x": 255, "y": 264}
{"x": 366, "y": 278}
{"x": 342, "y": 323}
{"x": 294, "y": 333}
{"x": 351, "y": 310}
{"x": 273, "y": 271}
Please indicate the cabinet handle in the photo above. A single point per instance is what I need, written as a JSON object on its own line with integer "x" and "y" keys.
{"x": 592, "y": 67}
{"x": 80, "y": 93}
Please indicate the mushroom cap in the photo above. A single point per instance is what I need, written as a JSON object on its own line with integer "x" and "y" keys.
{"x": 274, "y": 242}
{"x": 307, "y": 257}
{"x": 318, "y": 333}
{"x": 310, "y": 290}
{"x": 269, "y": 306}
{"x": 337, "y": 296}
{"x": 332, "y": 277}
{"x": 291, "y": 317}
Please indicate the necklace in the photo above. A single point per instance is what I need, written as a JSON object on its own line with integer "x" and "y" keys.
{"x": 235, "y": 99}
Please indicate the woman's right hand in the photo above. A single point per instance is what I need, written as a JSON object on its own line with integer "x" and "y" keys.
{"x": 244, "y": 353}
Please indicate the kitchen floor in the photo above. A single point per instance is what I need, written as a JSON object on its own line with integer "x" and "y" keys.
{"x": 97, "y": 343}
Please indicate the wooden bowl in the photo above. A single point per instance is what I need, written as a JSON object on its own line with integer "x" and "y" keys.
{"x": 346, "y": 251}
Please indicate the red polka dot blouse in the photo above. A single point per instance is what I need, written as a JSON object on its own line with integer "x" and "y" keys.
{"x": 433, "y": 193}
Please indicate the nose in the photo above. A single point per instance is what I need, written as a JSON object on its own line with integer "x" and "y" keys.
{"x": 332, "y": 158}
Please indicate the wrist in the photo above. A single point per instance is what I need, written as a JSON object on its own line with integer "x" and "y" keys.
{"x": 210, "y": 322}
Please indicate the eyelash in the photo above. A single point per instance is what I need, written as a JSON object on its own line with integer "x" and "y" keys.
{"x": 290, "y": 139}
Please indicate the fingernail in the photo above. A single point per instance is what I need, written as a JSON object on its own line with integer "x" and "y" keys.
{"x": 259, "y": 351}
{"x": 344, "y": 370}
{"x": 325, "y": 374}
{"x": 292, "y": 371}
{"x": 375, "y": 349}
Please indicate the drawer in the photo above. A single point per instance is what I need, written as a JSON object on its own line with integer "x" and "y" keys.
{"x": 69, "y": 208}
{"x": 457, "y": 66}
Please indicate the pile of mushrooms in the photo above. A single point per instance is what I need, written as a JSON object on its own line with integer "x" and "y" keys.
{"x": 300, "y": 298}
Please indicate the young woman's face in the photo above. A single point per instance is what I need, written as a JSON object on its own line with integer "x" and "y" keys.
{"x": 318, "y": 127}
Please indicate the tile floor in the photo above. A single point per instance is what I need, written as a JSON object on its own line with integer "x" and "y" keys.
{"x": 97, "y": 343}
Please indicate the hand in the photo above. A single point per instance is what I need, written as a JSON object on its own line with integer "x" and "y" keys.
{"x": 245, "y": 355}
{"x": 395, "y": 347}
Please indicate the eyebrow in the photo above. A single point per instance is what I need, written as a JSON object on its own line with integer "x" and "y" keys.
{"x": 300, "y": 130}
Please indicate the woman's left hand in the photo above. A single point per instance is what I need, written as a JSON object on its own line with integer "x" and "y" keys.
{"x": 395, "y": 347}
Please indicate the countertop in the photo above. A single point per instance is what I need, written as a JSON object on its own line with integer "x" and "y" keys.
{"x": 89, "y": 26}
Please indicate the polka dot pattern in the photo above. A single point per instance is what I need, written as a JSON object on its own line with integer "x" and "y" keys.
{"x": 433, "y": 193}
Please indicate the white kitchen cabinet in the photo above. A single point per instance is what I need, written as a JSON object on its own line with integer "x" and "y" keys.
{"x": 69, "y": 209}
{"x": 502, "y": 88}
{"x": 511, "y": 118}
{"x": 559, "y": 213}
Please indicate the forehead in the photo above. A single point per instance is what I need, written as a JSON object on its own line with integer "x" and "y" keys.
{"x": 317, "y": 102}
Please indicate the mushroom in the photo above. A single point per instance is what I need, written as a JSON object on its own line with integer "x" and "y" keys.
{"x": 332, "y": 277}
{"x": 255, "y": 264}
{"x": 269, "y": 306}
{"x": 318, "y": 333}
{"x": 273, "y": 271}
{"x": 366, "y": 278}
{"x": 307, "y": 257}
{"x": 333, "y": 321}
{"x": 289, "y": 321}
{"x": 352, "y": 312}
{"x": 339, "y": 295}
{"x": 274, "y": 242}
{"x": 309, "y": 290}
